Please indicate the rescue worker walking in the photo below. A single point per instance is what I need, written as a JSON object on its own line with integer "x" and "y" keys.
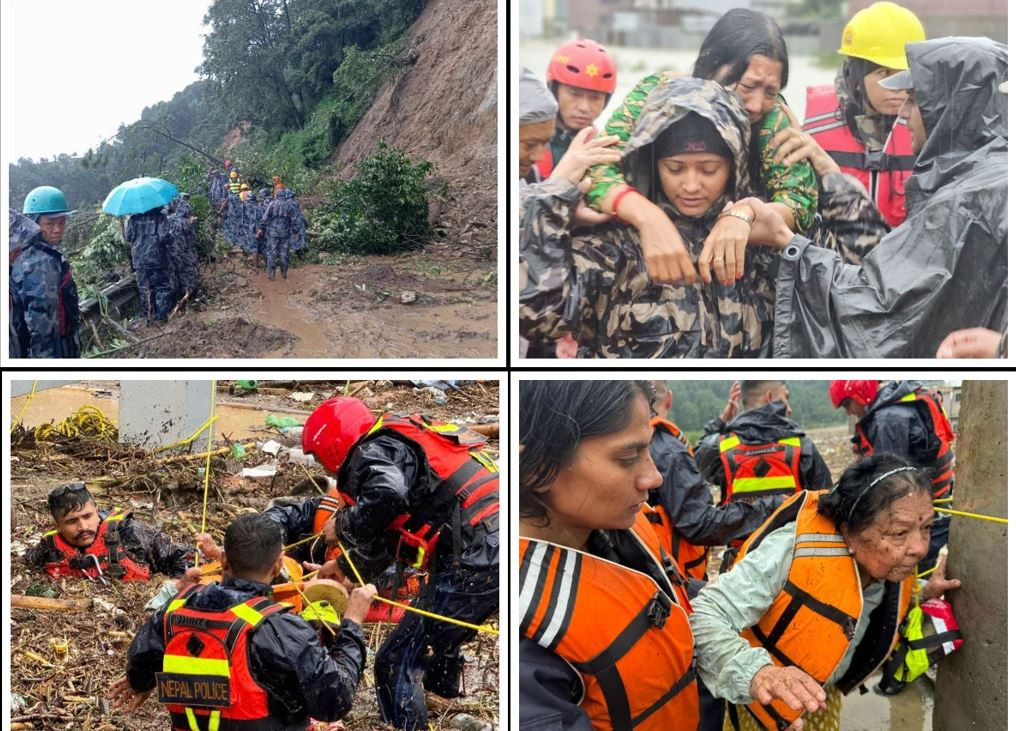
{"x": 582, "y": 76}
{"x": 43, "y": 297}
{"x": 420, "y": 493}
{"x": 856, "y": 120}
{"x": 280, "y": 221}
{"x": 98, "y": 544}
{"x": 225, "y": 656}
{"x": 183, "y": 257}
{"x": 906, "y": 419}
{"x": 150, "y": 237}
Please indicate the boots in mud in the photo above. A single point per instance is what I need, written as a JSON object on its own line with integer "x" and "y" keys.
{"x": 285, "y": 271}
{"x": 271, "y": 274}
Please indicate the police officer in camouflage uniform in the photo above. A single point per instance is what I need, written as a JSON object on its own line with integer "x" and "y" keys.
{"x": 595, "y": 284}
{"x": 183, "y": 258}
{"x": 280, "y": 222}
{"x": 43, "y": 298}
{"x": 151, "y": 237}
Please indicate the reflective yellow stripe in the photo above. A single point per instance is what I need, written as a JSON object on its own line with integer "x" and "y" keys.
{"x": 191, "y": 720}
{"x": 909, "y": 397}
{"x": 213, "y": 721}
{"x": 444, "y": 428}
{"x": 115, "y": 516}
{"x": 174, "y": 605}
{"x": 729, "y": 443}
{"x": 484, "y": 459}
{"x": 792, "y": 441}
{"x": 194, "y": 665}
{"x": 50, "y": 533}
{"x": 251, "y": 616}
{"x": 756, "y": 484}
{"x": 377, "y": 425}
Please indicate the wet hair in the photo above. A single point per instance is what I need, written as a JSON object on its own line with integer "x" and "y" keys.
{"x": 69, "y": 501}
{"x": 868, "y": 487}
{"x": 555, "y": 416}
{"x": 751, "y": 390}
{"x": 252, "y": 544}
{"x": 738, "y": 35}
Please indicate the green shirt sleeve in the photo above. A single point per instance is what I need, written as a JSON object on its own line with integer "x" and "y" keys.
{"x": 797, "y": 186}
{"x": 621, "y": 123}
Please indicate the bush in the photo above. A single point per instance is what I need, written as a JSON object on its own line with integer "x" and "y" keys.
{"x": 383, "y": 210}
{"x": 105, "y": 252}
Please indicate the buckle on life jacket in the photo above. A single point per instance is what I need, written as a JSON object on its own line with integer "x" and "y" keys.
{"x": 876, "y": 160}
{"x": 421, "y": 541}
{"x": 658, "y": 610}
{"x": 672, "y": 571}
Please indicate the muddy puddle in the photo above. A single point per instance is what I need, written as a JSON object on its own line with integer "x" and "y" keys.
{"x": 56, "y": 404}
{"x": 910, "y": 710}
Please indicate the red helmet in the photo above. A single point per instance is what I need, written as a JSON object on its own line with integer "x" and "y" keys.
{"x": 227, "y": 163}
{"x": 333, "y": 428}
{"x": 585, "y": 64}
{"x": 863, "y": 392}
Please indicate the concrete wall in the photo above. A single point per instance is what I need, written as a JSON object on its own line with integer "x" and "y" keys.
{"x": 970, "y": 692}
{"x": 157, "y": 413}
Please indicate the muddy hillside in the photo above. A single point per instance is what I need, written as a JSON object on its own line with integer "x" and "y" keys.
{"x": 444, "y": 108}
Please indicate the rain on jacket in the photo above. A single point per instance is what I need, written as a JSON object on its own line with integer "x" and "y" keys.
{"x": 946, "y": 267}
{"x": 301, "y": 677}
{"x": 610, "y": 620}
{"x": 813, "y": 619}
{"x": 594, "y": 282}
{"x": 907, "y": 420}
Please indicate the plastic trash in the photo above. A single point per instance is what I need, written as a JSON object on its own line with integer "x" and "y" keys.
{"x": 247, "y": 385}
{"x": 439, "y": 396}
{"x": 281, "y": 422}
{"x": 237, "y": 450}
{"x": 302, "y": 396}
{"x": 271, "y": 446}
{"x": 264, "y": 470}
{"x": 442, "y": 384}
{"x": 298, "y": 456}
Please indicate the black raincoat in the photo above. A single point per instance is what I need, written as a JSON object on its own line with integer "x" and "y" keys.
{"x": 761, "y": 425}
{"x": 946, "y": 267}
{"x": 900, "y": 429}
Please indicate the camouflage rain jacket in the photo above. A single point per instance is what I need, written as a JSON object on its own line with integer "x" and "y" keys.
{"x": 150, "y": 236}
{"x": 594, "y": 282}
{"x": 283, "y": 219}
{"x": 946, "y": 266}
{"x": 42, "y": 296}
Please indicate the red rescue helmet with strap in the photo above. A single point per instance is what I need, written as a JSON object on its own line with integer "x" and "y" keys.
{"x": 333, "y": 428}
{"x": 863, "y": 392}
{"x": 585, "y": 64}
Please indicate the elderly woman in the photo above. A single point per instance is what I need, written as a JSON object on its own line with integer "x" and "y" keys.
{"x": 688, "y": 154}
{"x": 601, "y": 599}
{"x": 812, "y": 605}
{"x": 744, "y": 52}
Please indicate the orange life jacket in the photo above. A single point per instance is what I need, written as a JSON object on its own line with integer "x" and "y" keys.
{"x": 105, "y": 557}
{"x": 941, "y": 466}
{"x": 457, "y": 470}
{"x": 883, "y": 174}
{"x": 331, "y": 502}
{"x": 206, "y": 680}
{"x": 812, "y": 621}
{"x": 673, "y": 428}
{"x": 626, "y": 635}
{"x": 690, "y": 559}
{"x": 756, "y": 470}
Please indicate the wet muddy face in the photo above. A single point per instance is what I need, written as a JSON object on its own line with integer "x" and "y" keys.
{"x": 80, "y": 527}
{"x": 604, "y": 486}
{"x": 891, "y": 547}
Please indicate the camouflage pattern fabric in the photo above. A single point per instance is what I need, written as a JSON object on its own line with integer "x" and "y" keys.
{"x": 155, "y": 291}
{"x": 217, "y": 179}
{"x": 150, "y": 237}
{"x": 872, "y": 129}
{"x": 183, "y": 259}
{"x": 283, "y": 224}
{"x": 594, "y": 283}
{"x": 849, "y": 222}
{"x": 42, "y": 296}
{"x": 796, "y": 187}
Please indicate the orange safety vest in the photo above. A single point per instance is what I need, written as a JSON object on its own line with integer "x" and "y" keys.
{"x": 105, "y": 557}
{"x": 206, "y": 680}
{"x": 628, "y": 639}
{"x": 812, "y": 621}
{"x": 757, "y": 470}
{"x": 883, "y": 174}
{"x": 690, "y": 559}
{"x": 941, "y": 467}
{"x": 457, "y": 469}
{"x": 331, "y": 502}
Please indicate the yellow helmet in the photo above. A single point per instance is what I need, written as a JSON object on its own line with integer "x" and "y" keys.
{"x": 244, "y": 186}
{"x": 234, "y": 175}
{"x": 879, "y": 34}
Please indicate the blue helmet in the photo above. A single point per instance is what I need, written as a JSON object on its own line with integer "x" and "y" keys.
{"x": 46, "y": 200}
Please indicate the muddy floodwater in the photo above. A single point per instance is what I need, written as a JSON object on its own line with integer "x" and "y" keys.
{"x": 911, "y": 710}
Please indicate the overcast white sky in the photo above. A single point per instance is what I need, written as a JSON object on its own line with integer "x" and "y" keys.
{"x": 76, "y": 69}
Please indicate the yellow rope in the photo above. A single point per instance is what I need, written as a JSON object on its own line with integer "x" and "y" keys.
{"x": 991, "y": 518}
{"x": 86, "y": 422}
{"x": 479, "y": 628}
{"x": 317, "y": 612}
{"x": 208, "y": 473}
{"x": 943, "y": 500}
{"x": 25, "y": 406}
{"x": 188, "y": 440}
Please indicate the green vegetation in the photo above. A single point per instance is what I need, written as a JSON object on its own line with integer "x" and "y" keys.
{"x": 383, "y": 210}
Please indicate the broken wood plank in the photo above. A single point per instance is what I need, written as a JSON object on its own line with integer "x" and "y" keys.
{"x": 46, "y": 604}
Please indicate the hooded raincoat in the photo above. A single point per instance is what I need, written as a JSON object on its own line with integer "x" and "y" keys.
{"x": 594, "y": 283}
{"x": 946, "y": 267}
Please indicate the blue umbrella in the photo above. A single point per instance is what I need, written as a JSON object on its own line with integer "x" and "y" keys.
{"x": 139, "y": 195}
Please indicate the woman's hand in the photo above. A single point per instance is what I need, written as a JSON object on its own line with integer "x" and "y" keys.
{"x": 791, "y": 685}
{"x": 769, "y": 228}
{"x": 585, "y": 151}
{"x": 937, "y": 585}
{"x": 733, "y": 403}
{"x": 583, "y": 215}
{"x": 793, "y": 145}
{"x": 724, "y": 248}
{"x": 667, "y": 259}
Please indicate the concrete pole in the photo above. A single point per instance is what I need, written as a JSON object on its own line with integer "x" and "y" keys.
{"x": 157, "y": 413}
{"x": 970, "y": 691}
